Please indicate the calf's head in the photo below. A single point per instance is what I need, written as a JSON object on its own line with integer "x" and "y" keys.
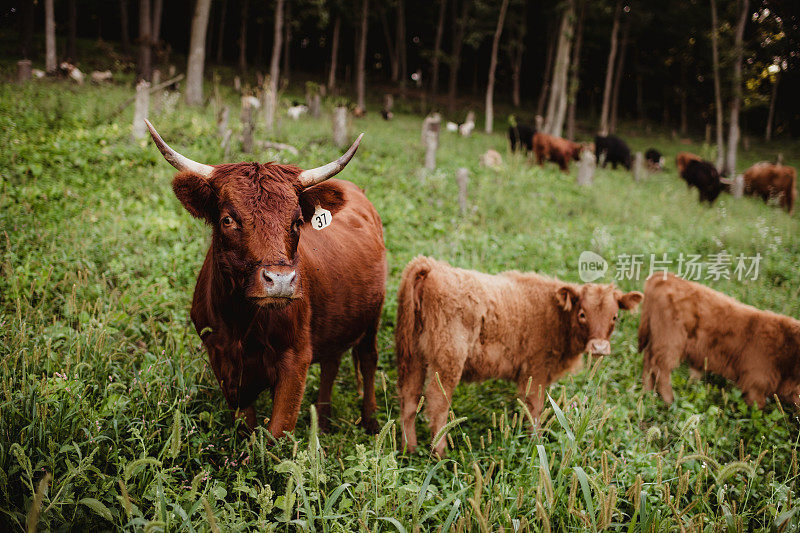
{"x": 593, "y": 311}
{"x": 257, "y": 212}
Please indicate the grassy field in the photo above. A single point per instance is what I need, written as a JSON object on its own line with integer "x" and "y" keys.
{"x": 110, "y": 417}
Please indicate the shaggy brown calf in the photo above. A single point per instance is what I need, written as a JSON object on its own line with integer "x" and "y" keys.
{"x": 766, "y": 181}
{"x": 686, "y": 321}
{"x": 683, "y": 158}
{"x": 469, "y": 326}
{"x": 281, "y": 286}
{"x": 555, "y": 149}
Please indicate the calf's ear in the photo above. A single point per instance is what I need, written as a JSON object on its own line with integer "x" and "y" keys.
{"x": 629, "y": 301}
{"x": 194, "y": 193}
{"x": 327, "y": 195}
{"x": 566, "y": 297}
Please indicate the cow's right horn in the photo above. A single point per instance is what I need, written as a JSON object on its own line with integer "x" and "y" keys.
{"x": 313, "y": 176}
{"x": 175, "y": 159}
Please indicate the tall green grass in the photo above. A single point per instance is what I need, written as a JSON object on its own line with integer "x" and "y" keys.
{"x": 110, "y": 417}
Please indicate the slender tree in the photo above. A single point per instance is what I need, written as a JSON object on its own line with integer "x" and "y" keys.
{"x": 274, "y": 66}
{"x": 574, "y": 74}
{"x": 221, "y": 30}
{"x": 334, "y": 53}
{"x": 736, "y": 92}
{"x": 437, "y": 48}
{"x": 125, "y": 35}
{"x": 400, "y": 32}
{"x": 72, "y": 30}
{"x": 145, "y": 51}
{"x": 287, "y": 39}
{"x": 516, "y": 51}
{"x": 391, "y": 46}
{"x": 26, "y": 28}
{"x": 771, "y": 115}
{"x": 50, "y": 37}
{"x": 459, "y": 28}
{"x": 717, "y": 88}
{"x": 155, "y": 32}
{"x": 493, "y": 67}
{"x": 619, "y": 74}
{"x": 557, "y": 102}
{"x": 361, "y": 58}
{"x": 197, "y": 53}
{"x": 547, "y": 76}
{"x": 243, "y": 38}
{"x": 612, "y": 55}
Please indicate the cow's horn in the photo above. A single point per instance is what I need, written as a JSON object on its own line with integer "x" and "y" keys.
{"x": 726, "y": 181}
{"x": 313, "y": 176}
{"x": 175, "y": 159}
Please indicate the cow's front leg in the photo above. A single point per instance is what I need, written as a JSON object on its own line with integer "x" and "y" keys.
{"x": 533, "y": 391}
{"x": 288, "y": 393}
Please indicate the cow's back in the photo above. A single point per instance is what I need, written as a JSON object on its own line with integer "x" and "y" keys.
{"x": 344, "y": 268}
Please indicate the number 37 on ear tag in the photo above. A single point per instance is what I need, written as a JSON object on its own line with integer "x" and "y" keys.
{"x": 322, "y": 218}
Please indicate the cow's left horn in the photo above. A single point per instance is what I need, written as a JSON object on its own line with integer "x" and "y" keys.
{"x": 175, "y": 159}
{"x": 313, "y": 176}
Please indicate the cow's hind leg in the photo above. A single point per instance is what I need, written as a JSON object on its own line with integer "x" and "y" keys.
{"x": 329, "y": 367}
{"x": 366, "y": 351}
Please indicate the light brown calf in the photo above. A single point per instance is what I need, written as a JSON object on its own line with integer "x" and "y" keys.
{"x": 687, "y": 321}
{"x": 469, "y": 326}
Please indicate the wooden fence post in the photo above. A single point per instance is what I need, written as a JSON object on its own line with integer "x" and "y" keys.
{"x": 141, "y": 110}
{"x": 23, "y": 70}
{"x": 586, "y": 168}
{"x": 431, "y": 140}
{"x": 639, "y": 171}
{"x": 340, "y": 126}
{"x": 248, "y": 125}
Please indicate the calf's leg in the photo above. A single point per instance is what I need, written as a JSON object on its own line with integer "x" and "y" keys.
{"x": 533, "y": 396}
{"x": 410, "y": 388}
{"x": 438, "y": 395}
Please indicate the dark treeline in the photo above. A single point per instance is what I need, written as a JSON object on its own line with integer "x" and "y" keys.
{"x": 664, "y": 50}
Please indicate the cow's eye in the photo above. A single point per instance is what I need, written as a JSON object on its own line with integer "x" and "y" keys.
{"x": 227, "y": 222}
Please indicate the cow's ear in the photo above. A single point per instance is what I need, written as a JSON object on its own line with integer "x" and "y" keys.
{"x": 194, "y": 193}
{"x": 327, "y": 195}
{"x": 567, "y": 297}
{"x": 629, "y": 301}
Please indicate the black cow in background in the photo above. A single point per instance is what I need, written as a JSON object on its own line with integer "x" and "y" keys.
{"x": 612, "y": 149}
{"x": 654, "y": 159}
{"x": 523, "y": 135}
{"x": 705, "y": 177}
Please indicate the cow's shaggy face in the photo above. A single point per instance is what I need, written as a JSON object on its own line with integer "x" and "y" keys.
{"x": 594, "y": 310}
{"x": 257, "y": 213}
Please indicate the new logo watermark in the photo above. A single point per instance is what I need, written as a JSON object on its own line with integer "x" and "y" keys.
{"x": 693, "y": 267}
{"x": 591, "y": 266}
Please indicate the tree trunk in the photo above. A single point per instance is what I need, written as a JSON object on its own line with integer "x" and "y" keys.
{"x": 618, "y": 75}
{"x": 274, "y": 67}
{"x": 736, "y": 98}
{"x": 221, "y": 31}
{"x": 771, "y": 114}
{"x": 361, "y": 60}
{"x": 548, "y": 71}
{"x": 157, "y": 10}
{"x": 400, "y": 44}
{"x": 50, "y": 37}
{"x": 26, "y": 29}
{"x": 516, "y": 53}
{"x": 493, "y": 67}
{"x": 197, "y": 53}
{"x": 612, "y": 55}
{"x": 243, "y": 38}
{"x": 437, "y": 48}
{"x": 717, "y": 88}
{"x": 145, "y": 51}
{"x": 557, "y": 102}
{"x": 72, "y": 30}
{"x": 394, "y": 59}
{"x": 459, "y": 27}
{"x": 334, "y": 53}
{"x": 574, "y": 81}
{"x": 287, "y": 40}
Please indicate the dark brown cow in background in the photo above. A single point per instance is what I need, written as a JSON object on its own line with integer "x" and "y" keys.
{"x": 683, "y": 158}
{"x": 767, "y": 181}
{"x": 686, "y": 321}
{"x": 469, "y": 326}
{"x": 275, "y": 294}
{"x": 555, "y": 149}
